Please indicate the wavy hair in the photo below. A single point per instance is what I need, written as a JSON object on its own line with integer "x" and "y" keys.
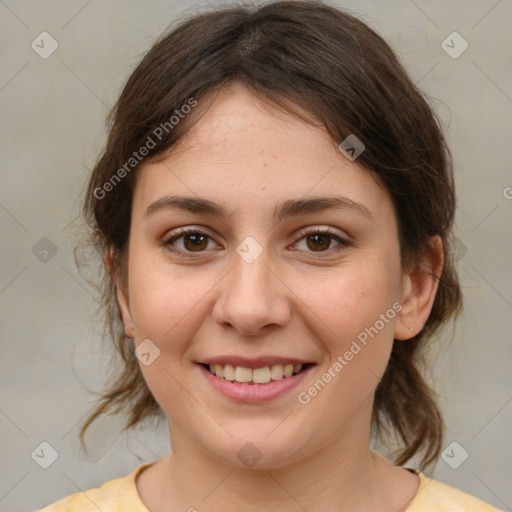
{"x": 302, "y": 56}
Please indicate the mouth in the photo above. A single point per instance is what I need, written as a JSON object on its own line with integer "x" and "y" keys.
{"x": 252, "y": 376}
{"x": 259, "y": 384}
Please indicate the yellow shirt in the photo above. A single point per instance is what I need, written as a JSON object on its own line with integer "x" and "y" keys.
{"x": 120, "y": 495}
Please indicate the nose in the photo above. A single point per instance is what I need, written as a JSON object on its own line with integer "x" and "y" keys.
{"x": 252, "y": 297}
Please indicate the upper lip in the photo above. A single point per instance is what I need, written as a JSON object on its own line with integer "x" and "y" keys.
{"x": 255, "y": 362}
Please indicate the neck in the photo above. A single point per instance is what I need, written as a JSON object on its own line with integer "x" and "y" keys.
{"x": 343, "y": 475}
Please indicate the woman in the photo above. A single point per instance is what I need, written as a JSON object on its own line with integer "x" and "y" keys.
{"x": 274, "y": 208}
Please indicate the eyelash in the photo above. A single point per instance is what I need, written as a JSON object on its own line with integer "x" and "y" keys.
{"x": 304, "y": 233}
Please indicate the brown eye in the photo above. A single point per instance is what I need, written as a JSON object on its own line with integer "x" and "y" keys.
{"x": 195, "y": 242}
{"x": 189, "y": 241}
{"x": 319, "y": 241}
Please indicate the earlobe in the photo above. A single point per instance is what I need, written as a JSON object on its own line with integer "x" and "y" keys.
{"x": 419, "y": 289}
{"x": 121, "y": 293}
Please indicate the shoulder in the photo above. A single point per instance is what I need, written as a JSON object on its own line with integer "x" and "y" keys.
{"x": 436, "y": 496}
{"x": 112, "y": 496}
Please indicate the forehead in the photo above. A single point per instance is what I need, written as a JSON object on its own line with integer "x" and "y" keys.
{"x": 239, "y": 123}
{"x": 243, "y": 147}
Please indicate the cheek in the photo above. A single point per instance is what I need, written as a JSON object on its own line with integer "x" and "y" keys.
{"x": 165, "y": 301}
{"x": 350, "y": 300}
{"x": 353, "y": 317}
{"x": 168, "y": 306}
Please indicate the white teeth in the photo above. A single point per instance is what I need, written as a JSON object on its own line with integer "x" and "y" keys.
{"x": 218, "y": 370}
{"x": 261, "y": 375}
{"x": 276, "y": 372}
{"x": 288, "y": 370}
{"x": 243, "y": 374}
{"x": 229, "y": 372}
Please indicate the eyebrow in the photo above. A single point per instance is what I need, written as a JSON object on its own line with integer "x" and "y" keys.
{"x": 287, "y": 209}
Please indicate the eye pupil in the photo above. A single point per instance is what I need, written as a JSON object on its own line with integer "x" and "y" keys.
{"x": 318, "y": 239}
{"x": 196, "y": 240}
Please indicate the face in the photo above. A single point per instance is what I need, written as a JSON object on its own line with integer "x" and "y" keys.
{"x": 318, "y": 286}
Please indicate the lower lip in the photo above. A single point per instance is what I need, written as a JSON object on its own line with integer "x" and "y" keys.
{"x": 253, "y": 393}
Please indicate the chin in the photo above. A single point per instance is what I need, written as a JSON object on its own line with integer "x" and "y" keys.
{"x": 257, "y": 448}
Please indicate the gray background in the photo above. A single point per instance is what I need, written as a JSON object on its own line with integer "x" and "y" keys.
{"x": 52, "y": 124}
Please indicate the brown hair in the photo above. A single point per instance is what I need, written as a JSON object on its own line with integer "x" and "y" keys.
{"x": 303, "y": 54}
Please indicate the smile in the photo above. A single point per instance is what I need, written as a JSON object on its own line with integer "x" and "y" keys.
{"x": 262, "y": 375}
{"x": 253, "y": 385}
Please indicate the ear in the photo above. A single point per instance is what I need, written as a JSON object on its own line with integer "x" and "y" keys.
{"x": 419, "y": 289}
{"x": 121, "y": 292}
